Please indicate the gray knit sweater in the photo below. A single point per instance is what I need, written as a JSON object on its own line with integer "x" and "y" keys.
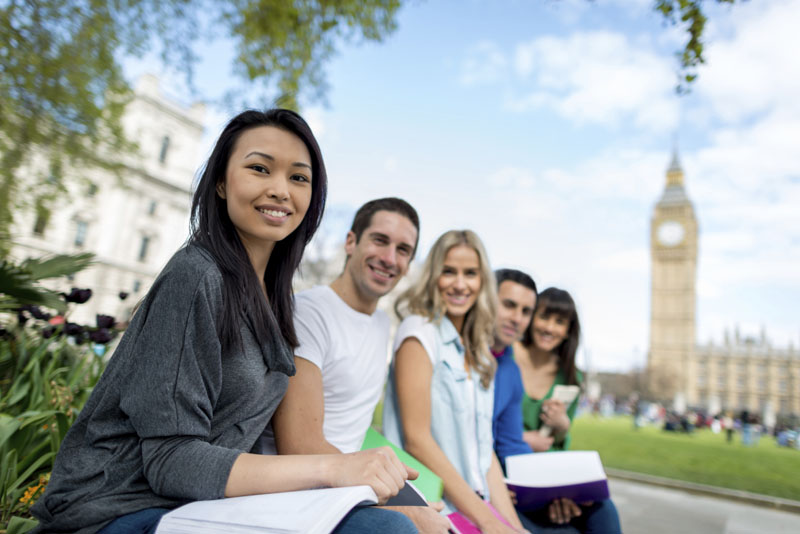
{"x": 171, "y": 413}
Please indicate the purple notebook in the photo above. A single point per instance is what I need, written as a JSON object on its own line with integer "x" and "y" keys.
{"x": 540, "y": 477}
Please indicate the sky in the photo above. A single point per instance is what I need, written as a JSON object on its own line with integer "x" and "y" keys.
{"x": 547, "y": 127}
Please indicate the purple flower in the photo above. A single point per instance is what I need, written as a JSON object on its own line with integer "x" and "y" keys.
{"x": 123, "y": 295}
{"x": 22, "y": 317}
{"x": 72, "y": 329}
{"x": 105, "y": 321}
{"x": 48, "y": 331}
{"x": 78, "y": 296}
{"x": 37, "y": 313}
{"x": 101, "y": 335}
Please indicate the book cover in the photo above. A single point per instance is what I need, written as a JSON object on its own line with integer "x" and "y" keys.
{"x": 407, "y": 496}
{"x": 462, "y": 525}
{"x": 428, "y": 483}
{"x": 540, "y": 477}
{"x": 315, "y": 511}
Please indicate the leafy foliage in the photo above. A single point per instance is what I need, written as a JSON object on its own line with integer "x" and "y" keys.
{"x": 44, "y": 385}
{"x": 690, "y": 14}
{"x": 19, "y": 283}
{"x": 288, "y": 42}
{"x": 62, "y": 89}
{"x": 48, "y": 367}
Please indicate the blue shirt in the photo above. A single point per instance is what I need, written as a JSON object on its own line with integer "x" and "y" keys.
{"x": 463, "y": 434}
{"x": 507, "y": 415}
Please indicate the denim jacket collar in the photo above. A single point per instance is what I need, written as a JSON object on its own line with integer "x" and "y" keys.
{"x": 453, "y": 359}
{"x": 449, "y": 333}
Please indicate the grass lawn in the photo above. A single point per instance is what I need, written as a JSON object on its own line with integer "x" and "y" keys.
{"x": 702, "y": 457}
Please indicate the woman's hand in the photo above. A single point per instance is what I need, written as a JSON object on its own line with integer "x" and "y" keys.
{"x": 379, "y": 469}
{"x": 536, "y": 441}
{"x": 563, "y": 510}
{"x": 554, "y": 415}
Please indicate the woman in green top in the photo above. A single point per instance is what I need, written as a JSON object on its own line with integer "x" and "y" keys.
{"x": 546, "y": 358}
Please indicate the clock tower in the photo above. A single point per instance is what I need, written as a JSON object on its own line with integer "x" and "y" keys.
{"x": 673, "y": 252}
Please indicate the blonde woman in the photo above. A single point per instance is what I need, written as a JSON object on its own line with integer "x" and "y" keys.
{"x": 440, "y": 393}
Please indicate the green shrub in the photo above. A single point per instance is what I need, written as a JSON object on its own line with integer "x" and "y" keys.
{"x": 48, "y": 367}
{"x": 44, "y": 382}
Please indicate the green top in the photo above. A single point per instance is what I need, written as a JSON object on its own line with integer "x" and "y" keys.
{"x": 531, "y": 408}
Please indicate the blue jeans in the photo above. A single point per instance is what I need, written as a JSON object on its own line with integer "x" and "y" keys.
{"x": 369, "y": 520}
{"x": 360, "y": 520}
{"x": 141, "y": 522}
{"x": 599, "y": 518}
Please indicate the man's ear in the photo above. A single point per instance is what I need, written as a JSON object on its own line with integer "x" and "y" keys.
{"x": 221, "y": 189}
{"x": 350, "y": 243}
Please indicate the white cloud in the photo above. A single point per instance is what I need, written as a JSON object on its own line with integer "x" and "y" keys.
{"x": 757, "y": 67}
{"x": 485, "y": 63}
{"x": 598, "y": 77}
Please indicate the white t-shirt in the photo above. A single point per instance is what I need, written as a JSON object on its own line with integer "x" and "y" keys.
{"x": 350, "y": 349}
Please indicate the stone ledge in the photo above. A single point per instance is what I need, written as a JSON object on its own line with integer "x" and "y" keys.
{"x": 786, "y": 505}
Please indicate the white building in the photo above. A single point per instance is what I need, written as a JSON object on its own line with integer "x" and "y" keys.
{"x": 132, "y": 225}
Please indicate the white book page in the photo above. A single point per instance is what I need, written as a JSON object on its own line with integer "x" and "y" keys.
{"x": 553, "y": 469}
{"x": 295, "y": 511}
{"x": 565, "y": 394}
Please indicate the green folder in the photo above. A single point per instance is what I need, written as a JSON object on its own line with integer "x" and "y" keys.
{"x": 428, "y": 482}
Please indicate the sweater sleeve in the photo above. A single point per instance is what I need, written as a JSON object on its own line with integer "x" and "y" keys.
{"x": 172, "y": 386}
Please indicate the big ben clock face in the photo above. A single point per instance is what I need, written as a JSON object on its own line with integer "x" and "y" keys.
{"x": 670, "y": 233}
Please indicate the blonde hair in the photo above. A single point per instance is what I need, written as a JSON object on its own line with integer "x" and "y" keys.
{"x": 423, "y": 298}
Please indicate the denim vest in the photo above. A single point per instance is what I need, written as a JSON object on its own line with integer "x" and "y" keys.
{"x": 450, "y": 416}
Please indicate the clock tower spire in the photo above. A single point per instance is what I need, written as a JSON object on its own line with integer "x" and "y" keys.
{"x": 673, "y": 252}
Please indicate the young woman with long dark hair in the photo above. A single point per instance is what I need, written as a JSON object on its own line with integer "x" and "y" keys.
{"x": 208, "y": 355}
{"x": 546, "y": 358}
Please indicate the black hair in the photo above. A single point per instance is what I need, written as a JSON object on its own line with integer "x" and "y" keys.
{"x": 557, "y": 301}
{"x": 213, "y": 230}
{"x": 363, "y": 217}
{"x": 513, "y": 275}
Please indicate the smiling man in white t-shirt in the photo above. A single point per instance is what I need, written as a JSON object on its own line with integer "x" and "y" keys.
{"x": 343, "y": 339}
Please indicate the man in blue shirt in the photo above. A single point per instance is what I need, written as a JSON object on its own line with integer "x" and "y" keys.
{"x": 516, "y": 293}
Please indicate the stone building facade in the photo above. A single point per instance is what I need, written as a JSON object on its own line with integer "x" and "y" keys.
{"x": 742, "y": 373}
{"x": 132, "y": 225}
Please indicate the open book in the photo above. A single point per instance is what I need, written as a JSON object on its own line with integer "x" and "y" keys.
{"x": 540, "y": 477}
{"x": 315, "y": 511}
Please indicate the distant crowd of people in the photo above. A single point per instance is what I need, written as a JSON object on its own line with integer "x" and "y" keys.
{"x": 748, "y": 426}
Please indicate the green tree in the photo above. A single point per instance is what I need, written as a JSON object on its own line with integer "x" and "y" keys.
{"x": 690, "y": 15}
{"x": 62, "y": 89}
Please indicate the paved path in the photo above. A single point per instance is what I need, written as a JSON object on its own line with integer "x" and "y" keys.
{"x": 648, "y": 509}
